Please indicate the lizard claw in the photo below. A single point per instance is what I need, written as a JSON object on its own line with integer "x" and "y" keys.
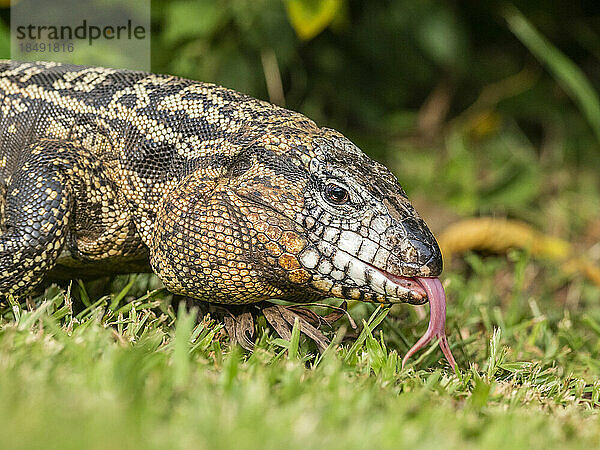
{"x": 282, "y": 320}
{"x": 239, "y": 321}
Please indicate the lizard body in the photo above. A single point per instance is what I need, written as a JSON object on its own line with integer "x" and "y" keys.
{"x": 226, "y": 198}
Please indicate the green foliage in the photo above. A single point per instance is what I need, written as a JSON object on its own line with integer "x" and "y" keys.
{"x": 564, "y": 70}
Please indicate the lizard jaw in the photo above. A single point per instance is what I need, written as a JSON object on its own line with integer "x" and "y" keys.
{"x": 418, "y": 294}
{"x": 384, "y": 286}
{"x": 416, "y": 290}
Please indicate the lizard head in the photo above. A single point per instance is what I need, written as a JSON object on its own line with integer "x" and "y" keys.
{"x": 367, "y": 242}
{"x": 298, "y": 214}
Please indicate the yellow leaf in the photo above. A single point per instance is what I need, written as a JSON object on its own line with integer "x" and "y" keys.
{"x": 499, "y": 235}
{"x": 310, "y": 17}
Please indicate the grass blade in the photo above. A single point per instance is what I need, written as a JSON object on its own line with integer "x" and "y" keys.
{"x": 571, "y": 78}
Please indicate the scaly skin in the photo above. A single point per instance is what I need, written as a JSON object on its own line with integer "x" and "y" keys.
{"x": 228, "y": 198}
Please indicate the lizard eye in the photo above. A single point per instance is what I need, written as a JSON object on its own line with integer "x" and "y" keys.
{"x": 336, "y": 194}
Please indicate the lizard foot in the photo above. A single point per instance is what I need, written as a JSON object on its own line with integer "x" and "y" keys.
{"x": 239, "y": 321}
{"x": 282, "y": 319}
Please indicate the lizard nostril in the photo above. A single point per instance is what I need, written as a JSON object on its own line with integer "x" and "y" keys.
{"x": 424, "y": 248}
{"x": 423, "y": 252}
{"x": 428, "y": 256}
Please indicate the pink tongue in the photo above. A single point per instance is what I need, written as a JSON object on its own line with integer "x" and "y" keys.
{"x": 437, "y": 320}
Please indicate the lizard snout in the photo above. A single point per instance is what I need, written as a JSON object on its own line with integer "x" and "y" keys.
{"x": 416, "y": 251}
{"x": 428, "y": 257}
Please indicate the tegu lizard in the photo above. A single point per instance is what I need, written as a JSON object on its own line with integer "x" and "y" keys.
{"x": 226, "y": 198}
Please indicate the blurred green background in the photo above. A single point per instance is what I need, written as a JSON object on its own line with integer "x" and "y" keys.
{"x": 472, "y": 113}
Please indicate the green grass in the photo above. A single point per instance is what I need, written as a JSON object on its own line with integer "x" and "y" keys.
{"x": 137, "y": 374}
